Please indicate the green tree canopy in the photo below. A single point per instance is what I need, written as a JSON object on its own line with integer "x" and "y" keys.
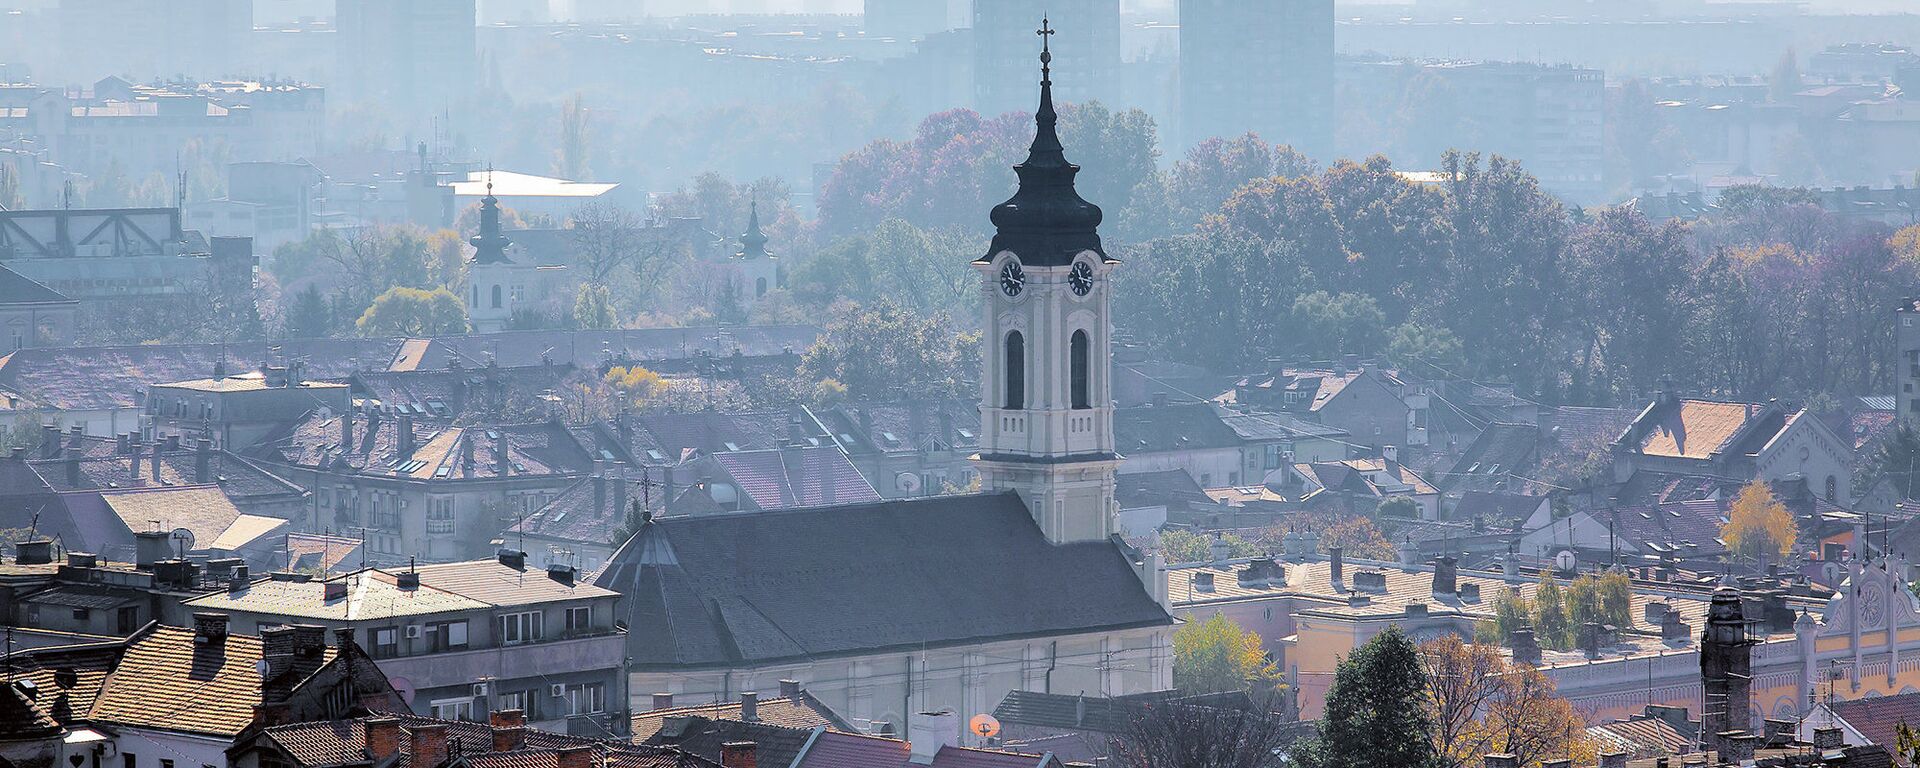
{"x": 1376, "y": 711}
{"x": 403, "y": 311}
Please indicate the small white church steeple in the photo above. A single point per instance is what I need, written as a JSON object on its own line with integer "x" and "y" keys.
{"x": 494, "y": 282}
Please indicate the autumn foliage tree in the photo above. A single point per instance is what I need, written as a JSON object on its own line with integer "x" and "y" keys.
{"x": 1217, "y": 655}
{"x": 1480, "y": 704}
{"x": 1759, "y": 526}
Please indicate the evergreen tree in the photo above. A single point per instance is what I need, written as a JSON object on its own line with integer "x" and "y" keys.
{"x": 1897, "y": 458}
{"x": 1376, "y": 713}
{"x": 308, "y": 317}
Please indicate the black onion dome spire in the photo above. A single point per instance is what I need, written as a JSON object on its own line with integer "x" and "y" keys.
{"x": 489, "y": 246}
{"x": 753, "y": 243}
{"x": 1046, "y": 223}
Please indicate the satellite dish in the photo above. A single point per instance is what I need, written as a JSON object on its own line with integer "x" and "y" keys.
{"x": 1565, "y": 560}
{"x": 262, "y": 667}
{"x": 183, "y": 539}
{"x": 908, "y": 482}
{"x": 404, "y": 687}
{"x": 984, "y": 726}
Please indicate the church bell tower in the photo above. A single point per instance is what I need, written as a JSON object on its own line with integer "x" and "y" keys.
{"x": 1046, "y": 413}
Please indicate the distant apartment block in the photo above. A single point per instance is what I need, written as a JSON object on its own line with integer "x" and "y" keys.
{"x": 1264, "y": 66}
{"x": 1086, "y": 42}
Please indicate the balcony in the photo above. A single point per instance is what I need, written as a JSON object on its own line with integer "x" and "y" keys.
{"x": 545, "y": 658}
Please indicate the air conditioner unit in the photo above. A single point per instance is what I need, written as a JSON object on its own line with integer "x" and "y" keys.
{"x": 479, "y": 689}
{"x": 413, "y": 631}
{"x": 557, "y": 690}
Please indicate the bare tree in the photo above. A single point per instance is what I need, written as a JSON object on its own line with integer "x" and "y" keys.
{"x": 607, "y": 237}
{"x": 1190, "y": 736}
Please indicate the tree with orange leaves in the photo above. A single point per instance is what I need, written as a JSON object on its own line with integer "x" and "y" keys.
{"x": 1759, "y": 525}
{"x": 1481, "y": 704}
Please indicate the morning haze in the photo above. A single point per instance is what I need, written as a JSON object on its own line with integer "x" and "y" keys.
{"x": 959, "y": 383}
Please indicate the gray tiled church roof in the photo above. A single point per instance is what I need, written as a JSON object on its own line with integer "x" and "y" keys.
{"x": 851, "y": 579}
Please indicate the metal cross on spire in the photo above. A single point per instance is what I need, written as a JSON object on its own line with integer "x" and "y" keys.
{"x": 1046, "y": 32}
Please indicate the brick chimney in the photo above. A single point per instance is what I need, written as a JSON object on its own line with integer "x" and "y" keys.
{"x": 507, "y": 718}
{"x": 404, "y": 435}
{"x": 429, "y": 745}
{"x": 309, "y": 649}
{"x": 1737, "y": 746}
{"x": 202, "y": 461}
{"x": 738, "y": 754}
{"x": 383, "y": 737}
{"x": 1828, "y": 738}
{"x": 569, "y": 757}
{"x": 509, "y": 738}
{"x": 1445, "y": 575}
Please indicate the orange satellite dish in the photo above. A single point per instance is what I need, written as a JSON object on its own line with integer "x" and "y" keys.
{"x": 984, "y": 726}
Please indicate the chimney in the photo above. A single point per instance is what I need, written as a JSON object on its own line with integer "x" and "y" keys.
{"x": 1502, "y": 761}
{"x": 662, "y": 701}
{"x": 202, "y": 461}
{"x": 1336, "y": 566}
{"x": 237, "y": 579}
{"x": 133, "y": 465}
{"x": 509, "y": 738}
{"x": 569, "y": 757}
{"x": 749, "y": 706}
{"x": 173, "y": 443}
{"x": 1390, "y": 453}
{"x": 383, "y": 738}
{"x": 79, "y": 559}
{"x": 309, "y": 649}
{"x": 430, "y": 745}
{"x": 513, "y": 558}
{"x": 76, "y": 435}
{"x": 1828, "y": 738}
{"x": 346, "y": 428}
{"x": 666, "y": 490}
{"x": 155, "y": 456}
{"x": 1219, "y": 550}
{"x": 1613, "y": 760}
{"x": 35, "y": 552}
{"x": 49, "y": 441}
{"x": 276, "y": 653}
{"x": 789, "y": 689}
{"x": 150, "y": 547}
{"x": 1560, "y": 763}
{"x": 404, "y": 435}
{"x": 1737, "y": 747}
{"x": 1444, "y": 575}
{"x": 121, "y": 442}
{"x": 617, "y": 474}
{"x": 507, "y": 718}
{"x": 927, "y": 732}
{"x": 502, "y": 465}
{"x": 334, "y": 590}
{"x": 600, "y": 486}
{"x": 209, "y": 629}
{"x": 1202, "y": 581}
{"x": 737, "y": 754}
{"x": 467, "y": 450}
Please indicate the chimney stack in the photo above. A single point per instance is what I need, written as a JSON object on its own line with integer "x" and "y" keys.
{"x": 749, "y": 706}
{"x": 202, "y": 461}
{"x": 789, "y": 689}
{"x": 568, "y": 757}
{"x": 156, "y": 463}
{"x": 383, "y": 738}
{"x": 1336, "y": 565}
{"x": 405, "y": 435}
{"x": 738, "y": 754}
{"x": 509, "y": 738}
{"x": 150, "y": 547}
{"x": 430, "y": 745}
{"x": 1445, "y": 575}
{"x": 33, "y": 552}
{"x": 600, "y": 486}
{"x": 617, "y": 474}
{"x": 209, "y": 629}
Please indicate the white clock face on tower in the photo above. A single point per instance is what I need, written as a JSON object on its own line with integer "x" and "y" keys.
{"x": 1012, "y": 279}
{"x": 1081, "y": 278}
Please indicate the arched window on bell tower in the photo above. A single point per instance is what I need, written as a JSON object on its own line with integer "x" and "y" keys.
{"x": 1079, "y": 360}
{"x": 1015, "y": 366}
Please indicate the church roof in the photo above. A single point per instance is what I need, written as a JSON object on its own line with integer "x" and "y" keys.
{"x": 832, "y": 581}
{"x": 1046, "y": 223}
{"x": 489, "y": 246}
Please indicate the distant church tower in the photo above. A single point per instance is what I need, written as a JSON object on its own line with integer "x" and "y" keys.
{"x": 494, "y": 282}
{"x": 758, "y": 270}
{"x": 1046, "y": 416}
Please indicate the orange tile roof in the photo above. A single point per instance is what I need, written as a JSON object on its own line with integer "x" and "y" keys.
{"x": 167, "y": 681}
{"x": 1702, "y": 427}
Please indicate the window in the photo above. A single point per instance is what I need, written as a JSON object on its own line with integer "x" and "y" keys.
{"x": 81, "y": 614}
{"x": 1078, "y": 358}
{"x": 518, "y": 628}
{"x": 760, "y": 287}
{"x": 440, "y": 516}
{"x": 520, "y": 700}
{"x": 447, "y": 635}
{"x": 129, "y": 760}
{"x": 1833, "y": 487}
{"x": 165, "y": 763}
{"x": 129, "y": 617}
{"x": 453, "y": 709}
{"x": 1016, "y": 370}
{"x": 496, "y": 297}
{"x": 386, "y": 642}
{"x": 580, "y": 619}
{"x": 585, "y": 699}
